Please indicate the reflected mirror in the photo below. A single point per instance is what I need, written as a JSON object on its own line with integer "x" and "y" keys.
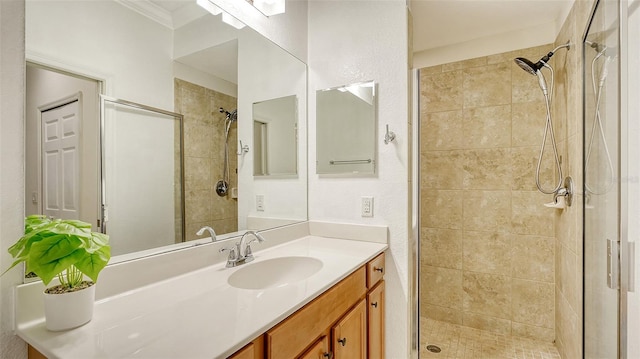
{"x": 175, "y": 57}
{"x": 275, "y": 137}
{"x": 346, "y": 129}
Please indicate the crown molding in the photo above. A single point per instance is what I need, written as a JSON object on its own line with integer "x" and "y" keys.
{"x": 150, "y": 10}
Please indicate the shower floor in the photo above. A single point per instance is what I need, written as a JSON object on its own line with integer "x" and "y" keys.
{"x": 459, "y": 342}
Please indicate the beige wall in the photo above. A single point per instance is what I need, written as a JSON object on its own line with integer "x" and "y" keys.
{"x": 487, "y": 241}
{"x": 204, "y": 128}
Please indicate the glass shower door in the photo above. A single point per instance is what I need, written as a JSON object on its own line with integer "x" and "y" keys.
{"x": 601, "y": 183}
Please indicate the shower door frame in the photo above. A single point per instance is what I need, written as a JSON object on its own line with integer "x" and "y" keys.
{"x": 624, "y": 248}
{"x": 103, "y": 181}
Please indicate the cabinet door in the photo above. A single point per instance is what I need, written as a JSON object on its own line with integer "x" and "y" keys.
{"x": 350, "y": 334}
{"x": 247, "y": 352}
{"x": 375, "y": 330}
{"x": 319, "y": 350}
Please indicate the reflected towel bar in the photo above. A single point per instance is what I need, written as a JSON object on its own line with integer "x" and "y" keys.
{"x": 349, "y": 162}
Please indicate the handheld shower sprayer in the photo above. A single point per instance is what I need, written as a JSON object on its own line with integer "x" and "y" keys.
{"x": 536, "y": 69}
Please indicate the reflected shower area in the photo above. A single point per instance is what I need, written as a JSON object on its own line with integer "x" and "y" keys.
{"x": 142, "y": 151}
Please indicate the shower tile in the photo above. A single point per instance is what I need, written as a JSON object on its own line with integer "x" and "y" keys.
{"x": 458, "y": 342}
{"x": 487, "y": 169}
{"x": 194, "y": 106}
{"x": 441, "y": 247}
{"x": 487, "y": 252}
{"x": 528, "y": 123}
{"x": 507, "y": 57}
{"x": 487, "y": 86}
{"x": 441, "y": 131}
{"x": 524, "y": 161}
{"x": 430, "y": 71}
{"x": 487, "y": 127}
{"x": 488, "y": 323}
{"x": 441, "y": 286}
{"x": 198, "y": 205}
{"x": 532, "y": 332}
{"x": 441, "y": 209}
{"x": 197, "y": 173}
{"x": 442, "y": 314}
{"x": 488, "y": 211}
{"x": 442, "y": 92}
{"x": 569, "y": 328}
{"x": 486, "y": 295}
{"x": 532, "y": 257}
{"x": 442, "y": 169}
{"x": 569, "y": 274}
{"x": 524, "y": 87}
{"x": 198, "y": 140}
{"x": 533, "y": 303}
{"x": 464, "y": 64}
{"x": 530, "y": 216}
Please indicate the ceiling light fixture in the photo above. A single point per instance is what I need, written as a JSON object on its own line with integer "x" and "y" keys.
{"x": 230, "y": 20}
{"x": 269, "y": 7}
{"x": 215, "y": 10}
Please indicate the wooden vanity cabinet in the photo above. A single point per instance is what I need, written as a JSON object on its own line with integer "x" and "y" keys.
{"x": 375, "y": 320}
{"x": 319, "y": 350}
{"x": 253, "y": 350}
{"x": 350, "y": 334}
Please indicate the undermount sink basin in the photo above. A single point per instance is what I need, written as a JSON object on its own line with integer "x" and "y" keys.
{"x": 276, "y": 272}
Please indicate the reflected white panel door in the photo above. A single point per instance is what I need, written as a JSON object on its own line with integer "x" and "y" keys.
{"x": 60, "y": 161}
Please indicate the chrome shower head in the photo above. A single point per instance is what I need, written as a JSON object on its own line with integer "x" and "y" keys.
{"x": 527, "y": 65}
{"x": 533, "y": 68}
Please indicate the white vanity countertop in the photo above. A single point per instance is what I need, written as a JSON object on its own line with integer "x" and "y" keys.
{"x": 198, "y": 314}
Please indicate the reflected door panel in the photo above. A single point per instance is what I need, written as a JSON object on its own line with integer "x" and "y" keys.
{"x": 60, "y": 161}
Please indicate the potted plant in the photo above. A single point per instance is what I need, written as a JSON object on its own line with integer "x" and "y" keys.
{"x": 68, "y": 250}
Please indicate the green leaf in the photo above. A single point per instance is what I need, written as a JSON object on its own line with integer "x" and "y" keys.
{"x": 55, "y": 247}
{"x": 49, "y": 270}
{"x": 92, "y": 264}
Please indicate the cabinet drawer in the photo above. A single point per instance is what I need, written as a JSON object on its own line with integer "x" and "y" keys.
{"x": 375, "y": 270}
{"x": 289, "y": 338}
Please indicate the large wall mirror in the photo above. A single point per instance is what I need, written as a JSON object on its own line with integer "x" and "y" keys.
{"x": 208, "y": 80}
{"x": 346, "y": 129}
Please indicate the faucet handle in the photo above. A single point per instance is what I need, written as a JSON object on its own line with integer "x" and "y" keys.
{"x": 232, "y": 253}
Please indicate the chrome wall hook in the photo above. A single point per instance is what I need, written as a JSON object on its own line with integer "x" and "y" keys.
{"x": 389, "y": 136}
{"x": 242, "y": 149}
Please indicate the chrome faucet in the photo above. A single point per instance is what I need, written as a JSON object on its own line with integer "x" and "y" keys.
{"x": 236, "y": 255}
{"x": 212, "y": 233}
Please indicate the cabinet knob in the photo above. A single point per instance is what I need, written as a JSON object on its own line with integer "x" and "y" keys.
{"x": 374, "y": 304}
{"x": 343, "y": 341}
{"x": 378, "y": 269}
{"x": 328, "y": 355}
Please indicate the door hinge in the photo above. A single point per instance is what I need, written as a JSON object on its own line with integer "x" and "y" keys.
{"x": 613, "y": 264}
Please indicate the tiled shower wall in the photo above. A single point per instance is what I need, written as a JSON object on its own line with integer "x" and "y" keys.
{"x": 204, "y": 128}
{"x": 567, "y": 109}
{"x": 487, "y": 241}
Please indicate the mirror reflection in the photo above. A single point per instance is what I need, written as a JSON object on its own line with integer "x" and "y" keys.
{"x": 186, "y": 62}
{"x": 346, "y": 129}
{"x": 275, "y": 137}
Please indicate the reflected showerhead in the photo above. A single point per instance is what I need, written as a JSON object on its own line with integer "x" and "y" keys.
{"x": 231, "y": 116}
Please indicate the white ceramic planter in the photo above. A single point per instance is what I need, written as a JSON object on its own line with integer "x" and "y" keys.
{"x": 69, "y": 310}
